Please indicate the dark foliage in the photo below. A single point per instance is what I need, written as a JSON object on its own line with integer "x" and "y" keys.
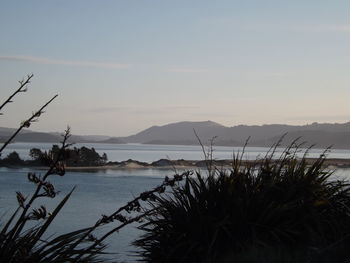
{"x": 12, "y": 159}
{"x": 22, "y": 236}
{"x": 275, "y": 209}
{"x": 36, "y": 154}
{"x": 72, "y": 157}
{"x": 83, "y": 156}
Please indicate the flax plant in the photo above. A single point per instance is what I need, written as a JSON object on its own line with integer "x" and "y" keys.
{"x": 272, "y": 210}
{"x": 22, "y": 242}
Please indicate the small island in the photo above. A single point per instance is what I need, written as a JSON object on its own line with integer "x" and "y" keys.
{"x": 75, "y": 157}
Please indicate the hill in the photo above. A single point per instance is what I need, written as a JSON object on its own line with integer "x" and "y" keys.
{"x": 27, "y": 135}
{"x": 177, "y": 133}
{"x": 320, "y": 134}
{"x": 182, "y": 133}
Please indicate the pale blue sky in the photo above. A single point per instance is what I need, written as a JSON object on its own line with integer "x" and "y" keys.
{"x": 121, "y": 66}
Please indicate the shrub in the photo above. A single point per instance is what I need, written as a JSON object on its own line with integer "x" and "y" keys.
{"x": 238, "y": 215}
{"x": 72, "y": 157}
{"x": 12, "y": 159}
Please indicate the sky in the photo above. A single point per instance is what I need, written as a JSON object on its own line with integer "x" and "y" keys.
{"x": 120, "y": 66}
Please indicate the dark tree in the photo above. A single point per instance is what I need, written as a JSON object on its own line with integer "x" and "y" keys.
{"x": 104, "y": 158}
{"x": 36, "y": 154}
{"x": 13, "y": 159}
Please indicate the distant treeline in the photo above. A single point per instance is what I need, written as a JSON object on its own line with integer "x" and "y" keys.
{"x": 73, "y": 157}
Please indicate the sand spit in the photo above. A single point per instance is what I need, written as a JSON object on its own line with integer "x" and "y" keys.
{"x": 182, "y": 164}
{"x": 192, "y": 164}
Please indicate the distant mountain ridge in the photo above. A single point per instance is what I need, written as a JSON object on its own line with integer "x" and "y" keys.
{"x": 182, "y": 133}
{"x": 27, "y": 135}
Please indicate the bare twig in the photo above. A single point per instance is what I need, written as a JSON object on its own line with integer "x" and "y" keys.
{"x": 207, "y": 155}
{"x": 27, "y": 123}
{"x": 22, "y": 88}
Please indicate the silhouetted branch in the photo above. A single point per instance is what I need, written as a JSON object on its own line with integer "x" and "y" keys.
{"x": 208, "y": 155}
{"x": 27, "y": 123}
{"x": 22, "y": 88}
{"x": 55, "y": 168}
{"x": 132, "y": 206}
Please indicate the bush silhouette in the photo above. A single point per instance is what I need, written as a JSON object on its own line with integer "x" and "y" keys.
{"x": 284, "y": 208}
{"x": 72, "y": 157}
{"x": 12, "y": 159}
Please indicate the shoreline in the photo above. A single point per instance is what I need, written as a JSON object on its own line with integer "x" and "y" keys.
{"x": 195, "y": 164}
{"x": 178, "y": 164}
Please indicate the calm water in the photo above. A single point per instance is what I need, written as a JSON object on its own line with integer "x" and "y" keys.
{"x": 96, "y": 194}
{"x": 102, "y": 192}
{"x": 150, "y": 153}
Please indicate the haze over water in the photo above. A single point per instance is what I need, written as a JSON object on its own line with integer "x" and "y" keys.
{"x": 151, "y": 153}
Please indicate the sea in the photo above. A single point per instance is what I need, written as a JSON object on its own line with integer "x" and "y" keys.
{"x": 103, "y": 191}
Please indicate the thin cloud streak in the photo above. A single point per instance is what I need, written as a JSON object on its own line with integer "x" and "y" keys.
{"x": 316, "y": 118}
{"x": 43, "y": 60}
{"x": 311, "y": 28}
{"x": 323, "y": 28}
{"x": 107, "y": 109}
{"x": 108, "y": 65}
{"x": 186, "y": 70}
{"x": 341, "y": 28}
{"x": 142, "y": 110}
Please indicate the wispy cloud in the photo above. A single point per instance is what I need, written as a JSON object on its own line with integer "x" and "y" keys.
{"x": 186, "y": 70}
{"x": 234, "y": 24}
{"x": 43, "y": 60}
{"x": 323, "y": 28}
{"x": 211, "y": 115}
{"x": 336, "y": 28}
{"x": 330, "y": 118}
{"x": 107, "y": 109}
{"x": 142, "y": 110}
